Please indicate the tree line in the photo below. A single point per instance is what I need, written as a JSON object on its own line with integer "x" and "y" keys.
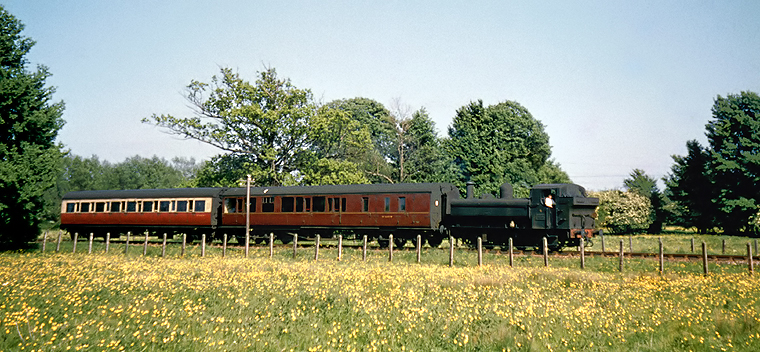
{"x": 712, "y": 188}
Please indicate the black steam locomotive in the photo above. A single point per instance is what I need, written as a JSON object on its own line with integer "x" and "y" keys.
{"x": 433, "y": 210}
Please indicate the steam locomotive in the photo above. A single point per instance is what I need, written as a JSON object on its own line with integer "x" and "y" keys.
{"x": 432, "y": 210}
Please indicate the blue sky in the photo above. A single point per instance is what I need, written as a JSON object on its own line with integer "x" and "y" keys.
{"x": 618, "y": 84}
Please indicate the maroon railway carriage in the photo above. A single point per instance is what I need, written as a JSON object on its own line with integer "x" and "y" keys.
{"x": 378, "y": 210}
{"x": 179, "y": 210}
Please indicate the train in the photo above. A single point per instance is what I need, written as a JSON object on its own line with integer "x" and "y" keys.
{"x": 434, "y": 211}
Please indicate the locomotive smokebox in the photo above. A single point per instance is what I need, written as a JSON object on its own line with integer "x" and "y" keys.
{"x": 470, "y": 190}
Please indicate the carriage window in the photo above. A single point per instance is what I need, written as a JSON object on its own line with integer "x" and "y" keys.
{"x": 100, "y": 207}
{"x": 401, "y": 203}
{"x": 71, "y": 207}
{"x": 231, "y": 204}
{"x": 299, "y": 204}
{"x": 200, "y": 206}
{"x": 163, "y": 205}
{"x": 267, "y": 204}
{"x": 115, "y": 207}
{"x": 131, "y": 207}
{"x": 343, "y": 204}
{"x": 319, "y": 204}
{"x": 287, "y": 204}
{"x": 387, "y": 204}
{"x": 85, "y": 208}
{"x": 365, "y": 204}
{"x": 182, "y": 205}
{"x": 147, "y": 206}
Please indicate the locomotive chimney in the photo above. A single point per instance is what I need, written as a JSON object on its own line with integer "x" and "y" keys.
{"x": 506, "y": 190}
{"x": 470, "y": 189}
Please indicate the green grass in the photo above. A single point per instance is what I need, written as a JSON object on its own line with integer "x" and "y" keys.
{"x": 63, "y": 301}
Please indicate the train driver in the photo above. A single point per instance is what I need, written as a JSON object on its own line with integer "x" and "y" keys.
{"x": 549, "y": 201}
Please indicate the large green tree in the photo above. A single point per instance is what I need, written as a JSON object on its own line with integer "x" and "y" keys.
{"x": 500, "y": 143}
{"x": 29, "y": 124}
{"x": 264, "y": 124}
{"x": 690, "y": 188}
{"x": 734, "y": 137}
{"x": 641, "y": 183}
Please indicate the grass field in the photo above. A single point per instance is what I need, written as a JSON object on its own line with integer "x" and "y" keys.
{"x": 63, "y": 301}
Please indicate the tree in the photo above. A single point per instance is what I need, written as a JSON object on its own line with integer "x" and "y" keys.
{"x": 264, "y": 123}
{"x": 689, "y": 187}
{"x": 623, "y": 212}
{"x": 496, "y": 144}
{"x": 644, "y": 185}
{"x": 551, "y": 172}
{"x": 734, "y": 138}
{"x": 376, "y": 162}
{"x": 29, "y": 123}
{"x": 426, "y": 160}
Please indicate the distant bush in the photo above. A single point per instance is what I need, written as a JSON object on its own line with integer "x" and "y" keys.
{"x": 623, "y": 212}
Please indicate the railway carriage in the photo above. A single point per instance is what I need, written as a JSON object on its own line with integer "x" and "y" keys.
{"x": 178, "y": 210}
{"x": 404, "y": 210}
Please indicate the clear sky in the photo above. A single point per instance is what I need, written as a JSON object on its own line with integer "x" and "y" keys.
{"x": 618, "y": 84}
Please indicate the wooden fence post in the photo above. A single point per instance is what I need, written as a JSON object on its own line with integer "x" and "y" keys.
{"x": 583, "y": 253}
{"x": 750, "y": 262}
{"x": 295, "y": 244}
{"x": 451, "y": 250}
{"x": 601, "y": 233}
{"x": 76, "y": 239}
{"x": 340, "y": 247}
{"x": 316, "y": 248}
{"x": 364, "y": 248}
{"x": 419, "y": 249}
{"x": 145, "y": 246}
{"x": 224, "y": 246}
{"x": 271, "y": 245}
{"x": 390, "y": 247}
{"x": 546, "y": 251}
{"x": 662, "y": 259}
{"x": 704, "y": 257}
{"x": 621, "y": 255}
{"x": 89, "y": 246}
{"x": 126, "y": 243}
{"x": 44, "y": 241}
{"x": 480, "y": 251}
{"x": 163, "y": 247}
{"x": 108, "y": 241}
{"x": 692, "y": 244}
{"x": 184, "y": 244}
{"x": 511, "y": 253}
{"x": 630, "y": 243}
{"x": 58, "y": 245}
{"x": 723, "y": 250}
{"x": 203, "y": 245}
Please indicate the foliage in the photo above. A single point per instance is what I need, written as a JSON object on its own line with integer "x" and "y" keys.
{"x": 551, "y": 172}
{"x": 265, "y": 123}
{"x": 623, "y": 212}
{"x": 734, "y": 137}
{"x": 29, "y": 124}
{"x": 641, "y": 183}
{"x": 690, "y": 189}
{"x": 496, "y": 144}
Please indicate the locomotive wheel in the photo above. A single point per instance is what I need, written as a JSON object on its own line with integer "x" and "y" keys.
{"x": 399, "y": 242}
{"x": 435, "y": 241}
{"x": 383, "y": 242}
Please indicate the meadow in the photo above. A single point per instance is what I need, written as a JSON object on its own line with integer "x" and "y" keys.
{"x": 110, "y": 302}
